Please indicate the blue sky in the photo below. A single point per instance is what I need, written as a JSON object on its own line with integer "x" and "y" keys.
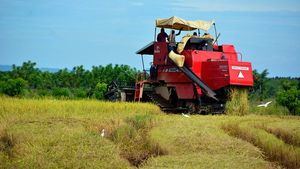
{"x": 67, "y": 33}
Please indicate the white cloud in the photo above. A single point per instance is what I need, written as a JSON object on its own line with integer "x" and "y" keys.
{"x": 137, "y": 3}
{"x": 236, "y": 6}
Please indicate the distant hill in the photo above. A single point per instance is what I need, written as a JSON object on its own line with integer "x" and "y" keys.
{"x": 5, "y": 68}
{"x": 53, "y": 70}
{"x": 9, "y": 68}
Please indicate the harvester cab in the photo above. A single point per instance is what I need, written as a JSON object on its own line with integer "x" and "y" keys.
{"x": 195, "y": 75}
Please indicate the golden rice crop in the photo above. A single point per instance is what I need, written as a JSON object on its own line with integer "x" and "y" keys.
{"x": 49, "y": 133}
{"x": 238, "y": 102}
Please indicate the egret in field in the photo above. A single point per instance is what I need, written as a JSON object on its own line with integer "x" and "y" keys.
{"x": 185, "y": 115}
{"x": 102, "y": 132}
{"x": 264, "y": 104}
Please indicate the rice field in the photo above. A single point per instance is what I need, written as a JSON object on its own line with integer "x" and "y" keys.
{"x": 50, "y": 133}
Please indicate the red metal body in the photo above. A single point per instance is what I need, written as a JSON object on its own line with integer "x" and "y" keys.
{"x": 219, "y": 68}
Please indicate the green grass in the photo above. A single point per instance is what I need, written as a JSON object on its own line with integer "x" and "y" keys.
{"x": 272, "y": 109}
{"x": 51, "y": 133}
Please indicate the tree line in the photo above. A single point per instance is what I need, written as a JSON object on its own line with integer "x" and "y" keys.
{"x": 28, "y": 81}
{"x": 285, "y": 90}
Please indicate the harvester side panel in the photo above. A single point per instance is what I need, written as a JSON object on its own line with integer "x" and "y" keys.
{"x": 184, "y": 90}
{"x": 229, "y": 52}
{"x": 215, "y": 73}
{"x": 191, "y": 75}
{"x": 240, "y": 73}
{"x": 171, "y": 74}
{"x": 222, "y": 73}
{"x": 193, "y": 58}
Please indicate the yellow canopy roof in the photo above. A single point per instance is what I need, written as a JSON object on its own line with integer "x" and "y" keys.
{"x": 178, "y": 23}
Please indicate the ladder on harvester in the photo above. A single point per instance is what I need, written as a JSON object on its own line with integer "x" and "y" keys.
{"x": 138, "y": 94}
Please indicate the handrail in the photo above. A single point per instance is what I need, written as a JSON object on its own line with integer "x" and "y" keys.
{"x": 240, "y": 55}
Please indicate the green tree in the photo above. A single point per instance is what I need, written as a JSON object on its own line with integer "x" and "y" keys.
{"x": 29, "y": 73}
{"x": 100, "y": 90}
{"x": 289, "y": 96}
{"x": 79, "y": 77}
{"x": 62, "y": 92}
{"x": 13, "y": 87}
{"x": 63, "y": 78}
{"x": 260, "y": 80}
{"x": 48, "y": 80}
{"x": 79, "y": 93}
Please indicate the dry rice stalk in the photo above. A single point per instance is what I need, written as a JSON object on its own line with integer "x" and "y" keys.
{"x": 238, "y": 102}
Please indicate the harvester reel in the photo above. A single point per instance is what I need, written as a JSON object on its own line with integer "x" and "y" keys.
{"x": 113, "y": 92}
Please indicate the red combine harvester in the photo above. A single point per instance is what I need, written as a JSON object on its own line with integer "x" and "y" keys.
{"x": 195, "y": 76}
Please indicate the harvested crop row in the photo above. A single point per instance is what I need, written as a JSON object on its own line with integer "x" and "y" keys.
{"x": 275, "y": 150}
{"x": 132, "y": 137}
{"x": 284, "y": 134}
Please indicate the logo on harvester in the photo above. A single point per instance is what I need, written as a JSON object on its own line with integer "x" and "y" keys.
{"x": 157, "y": 49}
{"x": 173, "y": 69}
{"x": 241, "y": 76}
{"x": 239, "y": 68}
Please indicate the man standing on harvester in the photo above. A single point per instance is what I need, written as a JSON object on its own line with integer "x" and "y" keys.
{"x": 162, "y": 36}
{"x": 172, "y": 40}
